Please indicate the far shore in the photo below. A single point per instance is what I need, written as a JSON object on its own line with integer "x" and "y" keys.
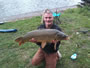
{"x": 32, "y": 14}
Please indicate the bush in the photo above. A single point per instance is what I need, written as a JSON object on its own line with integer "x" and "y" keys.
{"x": 84, "y": 11}
{"x": 84, "y": 3}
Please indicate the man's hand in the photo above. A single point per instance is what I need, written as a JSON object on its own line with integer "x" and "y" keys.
{"x": 54, "y": 41}
{"x": 33, "y": 40}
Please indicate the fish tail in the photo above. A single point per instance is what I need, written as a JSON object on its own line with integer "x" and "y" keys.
{"x": 19, "y": 39}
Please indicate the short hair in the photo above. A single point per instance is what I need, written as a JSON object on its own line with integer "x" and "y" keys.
{"x": 45, "y": 11}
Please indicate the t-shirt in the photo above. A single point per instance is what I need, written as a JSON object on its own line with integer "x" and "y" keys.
{"x": 49, "y": 47}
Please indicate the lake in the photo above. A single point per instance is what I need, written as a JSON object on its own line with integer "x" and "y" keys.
{"x": 16, "y": 7}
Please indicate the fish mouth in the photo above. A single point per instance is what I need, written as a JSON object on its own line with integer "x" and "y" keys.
{"x": 67, "y": 38}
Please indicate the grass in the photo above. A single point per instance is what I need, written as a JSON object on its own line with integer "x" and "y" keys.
{"x": 14, "y": 56}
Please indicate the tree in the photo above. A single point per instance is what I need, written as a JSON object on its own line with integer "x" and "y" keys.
{"x": 84, "y": 3}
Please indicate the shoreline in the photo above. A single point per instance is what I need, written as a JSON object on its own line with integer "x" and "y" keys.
{"x": 33, "y": 14}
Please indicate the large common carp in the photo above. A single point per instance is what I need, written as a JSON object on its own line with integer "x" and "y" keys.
{"x": 44, "y": 36}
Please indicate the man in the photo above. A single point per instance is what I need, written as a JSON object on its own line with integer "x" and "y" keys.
{"x": 48, "y": 53}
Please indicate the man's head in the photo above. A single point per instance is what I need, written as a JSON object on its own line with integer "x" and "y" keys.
{"x": 48, "y": 18}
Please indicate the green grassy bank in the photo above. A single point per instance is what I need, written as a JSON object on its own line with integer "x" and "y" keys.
{"x": 14, "y": 56}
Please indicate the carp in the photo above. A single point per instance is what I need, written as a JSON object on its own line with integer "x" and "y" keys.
{"x": 44, "y": 36}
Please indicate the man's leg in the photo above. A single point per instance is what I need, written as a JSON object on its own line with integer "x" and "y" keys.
{"x": 51, "y": 60}
{"x": 38, "y": 57}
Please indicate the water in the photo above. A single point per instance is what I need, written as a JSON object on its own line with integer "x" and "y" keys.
{"x": 16, "y": 7}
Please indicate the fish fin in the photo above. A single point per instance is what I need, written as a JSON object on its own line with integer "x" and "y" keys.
{"x": 55, "y": 46}
{"x": 43, "y": 44}
{"x": 20, "y": 43}
{"x": 19, "y": 39}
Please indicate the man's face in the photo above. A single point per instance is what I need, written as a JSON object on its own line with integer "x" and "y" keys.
{"x": 48, "y": 19}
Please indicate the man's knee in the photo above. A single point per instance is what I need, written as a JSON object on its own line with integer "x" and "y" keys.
{"x": 34, "y": 62}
